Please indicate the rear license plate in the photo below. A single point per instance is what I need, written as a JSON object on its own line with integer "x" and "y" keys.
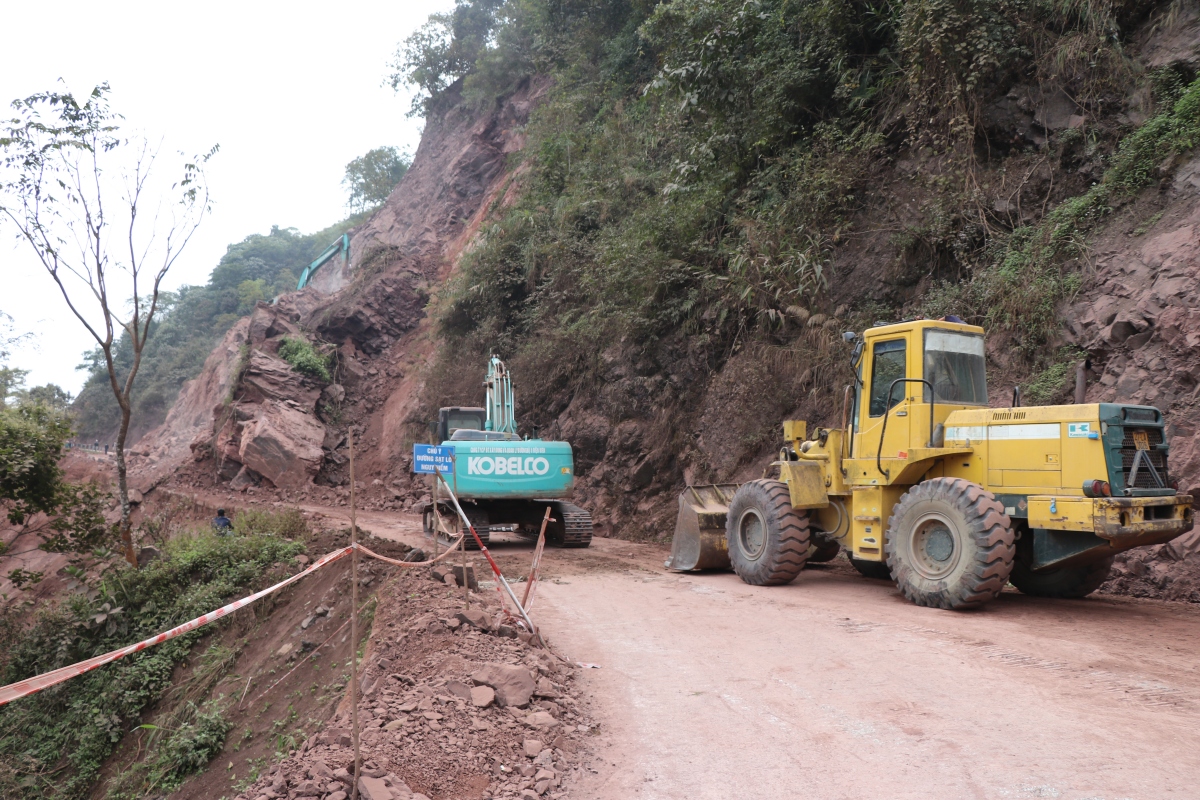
{"x": 1141, "y": 440}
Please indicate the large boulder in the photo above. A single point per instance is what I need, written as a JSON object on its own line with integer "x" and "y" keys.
{"x": 268, "y": 377}
{"x": 513, "y": 684}
{"x": 283, "y": 444}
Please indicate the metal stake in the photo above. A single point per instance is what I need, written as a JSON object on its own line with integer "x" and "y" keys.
{"x": 354, "y": 625}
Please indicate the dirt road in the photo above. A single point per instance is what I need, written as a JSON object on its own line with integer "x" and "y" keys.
{"x": 836, "y": 687}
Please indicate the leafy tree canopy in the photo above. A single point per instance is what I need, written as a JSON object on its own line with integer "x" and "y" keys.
{"x": 443, "y": 50}
{"x": 371, "y": 177}
{"x": 31, "y": 441}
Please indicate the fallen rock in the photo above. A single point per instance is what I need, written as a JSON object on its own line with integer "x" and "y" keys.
{"x": 146, "y": 555}
{"x": 482, "y": 696}
{"x": 514, "y": 685}
{"x": 475, "y": 617}
{"x": 532, "y": 747}
{"x": 541, "y": 719}
{"x": 373, "y": 789}
{"x": 545, "y": 688}
{"x": 244, "y": 479}
{"x": 283, "y": 444}
{"x": 458, "y": 689}
{"x": 443, "y": 571}
{"x": 271, "y": 378}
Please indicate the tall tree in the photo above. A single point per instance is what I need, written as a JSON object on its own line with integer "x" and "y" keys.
{"x": 372, "y": 176}
{"x": 88, "y": 202}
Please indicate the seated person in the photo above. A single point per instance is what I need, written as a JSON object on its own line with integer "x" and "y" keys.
{"x": 221, "y": 523}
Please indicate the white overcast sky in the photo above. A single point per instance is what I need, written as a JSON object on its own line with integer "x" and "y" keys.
{"x": 290, "y": 91}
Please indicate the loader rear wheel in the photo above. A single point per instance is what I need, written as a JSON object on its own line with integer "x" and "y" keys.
{"x": 1072, "y": 582}
{"x": 768, "y": 539}
{"x": 949, "y": 544}
{"x": 870, "y": 569}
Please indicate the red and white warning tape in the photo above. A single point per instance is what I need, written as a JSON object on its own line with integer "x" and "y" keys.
{"x": 37, "y": 683}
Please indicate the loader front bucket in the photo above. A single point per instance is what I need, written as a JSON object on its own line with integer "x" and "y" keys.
{"x": 699, "y": 541}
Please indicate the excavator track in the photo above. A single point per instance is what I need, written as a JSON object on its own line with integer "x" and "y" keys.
{"x": 576, "y": 527}
{"x": 478, "y": 518}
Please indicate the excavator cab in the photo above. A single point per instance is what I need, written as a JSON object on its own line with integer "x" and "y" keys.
{"x": 456, "y": 418}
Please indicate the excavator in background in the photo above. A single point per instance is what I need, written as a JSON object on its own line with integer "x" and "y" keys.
{"x": 505, "y": 482}
{"x": 925, "y": 485}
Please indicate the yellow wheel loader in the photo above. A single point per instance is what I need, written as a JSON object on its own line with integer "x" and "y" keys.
{"x": 927, "y": 486}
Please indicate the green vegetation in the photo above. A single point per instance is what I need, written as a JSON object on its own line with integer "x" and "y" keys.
{"x": 195, "y": 736}
{"x": 304, "y": 358}
{"x": 191, "y": 322}
{"x": 31, "y": 442}
{"x": 696, "y": 165}
{"x": 53, "y": 744}
{"x": 371, "y": 177}
{"x": 1029, "y": 274}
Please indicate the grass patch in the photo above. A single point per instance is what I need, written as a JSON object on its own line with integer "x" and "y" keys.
{"x": 305, "y": 359}
{"x": 54, "y": 744}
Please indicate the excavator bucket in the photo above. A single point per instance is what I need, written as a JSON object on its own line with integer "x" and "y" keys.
{"x": 699, "y": 541}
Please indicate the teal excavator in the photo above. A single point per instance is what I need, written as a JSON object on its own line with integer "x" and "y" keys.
{"x": 503, "y": 481}
{"x": 340, "y": 247}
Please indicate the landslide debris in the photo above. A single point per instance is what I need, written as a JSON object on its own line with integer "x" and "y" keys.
{"x": 450, "y": 709}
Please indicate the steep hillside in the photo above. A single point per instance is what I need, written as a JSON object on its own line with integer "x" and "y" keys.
{"x": 663, "y": 215}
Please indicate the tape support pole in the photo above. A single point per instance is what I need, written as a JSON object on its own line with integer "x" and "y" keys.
{"x": 495, "y": 567}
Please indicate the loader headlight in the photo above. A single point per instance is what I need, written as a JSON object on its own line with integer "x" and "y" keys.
{"x": 1097, "y": 489}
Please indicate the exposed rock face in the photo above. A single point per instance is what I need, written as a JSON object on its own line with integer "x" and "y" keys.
{"x": 268, "y": 377}
{"x": 189, "y": 425}
{"x": 249, "y": 411}
{"x": 1140, "y": 324}
{"x": 1139, "y": 321}
{"x": 283, "y": 444}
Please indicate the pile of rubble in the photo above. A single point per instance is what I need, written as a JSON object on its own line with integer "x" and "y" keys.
{"x": 455, "y": 703}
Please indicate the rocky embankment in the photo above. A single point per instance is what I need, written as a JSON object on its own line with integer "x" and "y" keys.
{"x": 454, "y": 704}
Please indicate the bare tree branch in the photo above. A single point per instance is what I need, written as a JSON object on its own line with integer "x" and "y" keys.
{"x": 55, "y": 188}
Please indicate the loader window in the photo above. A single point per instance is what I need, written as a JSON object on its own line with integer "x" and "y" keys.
{"x": 887, "y": 364}
{"x": 954, "y": 364}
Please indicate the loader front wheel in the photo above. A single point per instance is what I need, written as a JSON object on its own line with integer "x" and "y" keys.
{"x": 768, "y": 539}
{"x": 949, "y": 544}
{"x": 1072, "y": 582}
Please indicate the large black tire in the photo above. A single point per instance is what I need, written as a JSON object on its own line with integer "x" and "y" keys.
{"x": 768, "y": 540}
{"x": 877, "y": 570}
{"x": 949, "y": 544}
{"x": 1071, "y": 582}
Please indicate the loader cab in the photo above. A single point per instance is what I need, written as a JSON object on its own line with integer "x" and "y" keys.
{"x": 902, "y": 369}
{"x": 456, "y": 418}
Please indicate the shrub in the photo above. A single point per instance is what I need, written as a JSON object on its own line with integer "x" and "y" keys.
{"x": 53, "y": 744}
{"x": 305, "y": 359}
